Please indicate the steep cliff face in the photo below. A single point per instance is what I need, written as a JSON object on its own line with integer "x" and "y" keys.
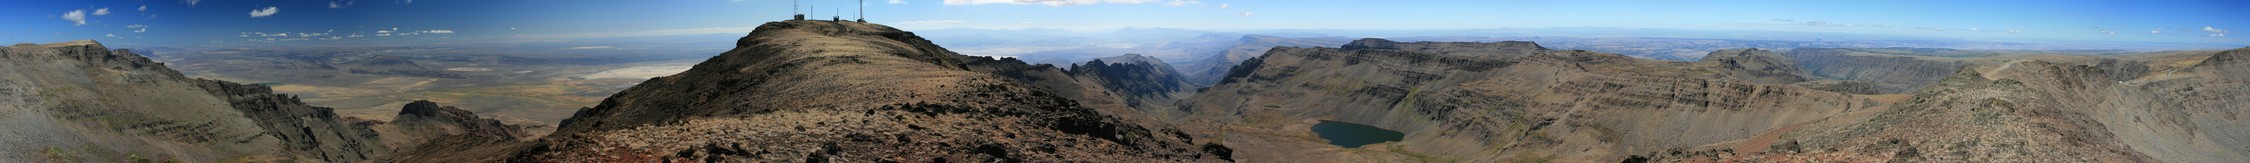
{"x": 1483, "y": 102}
{"x": 1209, "y": 70}
{"x": 1145, "y": 83}
{"x": 80, "y": 101}
{"x": 852, "y": 92}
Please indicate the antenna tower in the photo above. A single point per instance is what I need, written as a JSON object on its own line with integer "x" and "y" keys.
{"x": 862, "y": 10}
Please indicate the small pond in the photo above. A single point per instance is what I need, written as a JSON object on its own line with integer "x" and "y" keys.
{"x": 1352, "y": 135}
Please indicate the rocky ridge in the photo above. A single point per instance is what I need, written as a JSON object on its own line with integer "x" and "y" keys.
{"x": 80, "y": 101}
{"x": 851, "y": 92}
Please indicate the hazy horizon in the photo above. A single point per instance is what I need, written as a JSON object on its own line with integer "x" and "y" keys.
{"x": 353, "y": 22}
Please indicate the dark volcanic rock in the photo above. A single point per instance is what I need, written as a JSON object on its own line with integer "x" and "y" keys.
{"x": 1144, "y": 81}
{"x": 428, "y": 117}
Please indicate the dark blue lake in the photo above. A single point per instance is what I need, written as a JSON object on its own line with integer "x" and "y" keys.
{"x": 1353, "y": 135}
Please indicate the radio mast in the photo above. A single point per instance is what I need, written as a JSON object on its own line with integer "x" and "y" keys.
{"x": 862, "y": 11}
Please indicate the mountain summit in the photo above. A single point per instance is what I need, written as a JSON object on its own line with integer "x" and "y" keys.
{"x": 852, "y": 92}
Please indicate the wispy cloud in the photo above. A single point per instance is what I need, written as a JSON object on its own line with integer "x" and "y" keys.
{"x": 137, "y": 28}
{"x": 1045, "y": 2}
{"x": 191, "y": 2}
{"x": 932, "y": 22}
{"x": 101, "y": 11}
{"x": 1248, "y": 14}
{"x": 144, "y": 8}
{"x": 76, "y": 17}
{"x": 2156, "y": 31}
{"x": 2215, "y": 32}
{"x": 269, "y": 11}
{"x": 438, "y": 31}
{"x": 896, "y": 2}
{"x": 1224, "y": 5}
{"x": 1183, "y": 2}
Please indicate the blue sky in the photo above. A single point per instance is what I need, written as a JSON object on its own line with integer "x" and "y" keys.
{"x": 334, "y": 22}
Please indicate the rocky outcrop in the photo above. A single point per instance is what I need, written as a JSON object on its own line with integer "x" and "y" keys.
{"x": 1761, "y": 66}
{"x": 1144, "y": 82}
{"x": 304, "y": 129}
{"x": 818, "y": 91}
{"x": 1498, "y": 102}
{"x": 2225, "y": 64}
{"x": 428, "y": 132}
{"x": 80, "y": 101}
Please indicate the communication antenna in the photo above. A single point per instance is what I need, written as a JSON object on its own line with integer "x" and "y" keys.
{"x": 862, "y": 10}
{"x": 793, "y": 11}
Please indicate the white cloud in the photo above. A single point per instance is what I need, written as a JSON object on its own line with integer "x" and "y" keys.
{"x": 346, "y": 3}
{"x": 136, "y": 26}
{"x": 76, "y": 17}
{"x": 191, "y": 2}
{"x": 140, "y": 30}
{"x": 898, "y": 2}
{"x": 1044, "y": 2}
{"x": 101, "y": 11}
{"x": 932, "y": 22}
{"x": 1183, "y": 2}
{"x": 269, "y": 11}
{"x": 382, "y": 31}
{"x": 2219, "y": 35}
{"x": 109, "y": 35}
{"x": 1223, "y": 5}
{"x": 2156, "y": 31}
{"x": 438, "y": 31}
{"x": 1248, "y": 14}
{"x": 2213, "y": 30}
{"x": 144, "y": 8}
